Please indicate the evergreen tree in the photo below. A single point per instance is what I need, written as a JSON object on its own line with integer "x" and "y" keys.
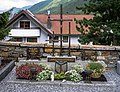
{"x": 104, "y": 27}
{"x": 4, "y": 17}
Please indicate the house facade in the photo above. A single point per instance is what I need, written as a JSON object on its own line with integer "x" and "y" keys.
{"x": 26, "y": 27}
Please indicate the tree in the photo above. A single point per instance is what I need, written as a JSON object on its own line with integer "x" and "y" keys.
{"x": 4, "y": 17}
{"x": 104, "y": 27}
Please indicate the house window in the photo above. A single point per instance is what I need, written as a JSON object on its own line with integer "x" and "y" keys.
{"x": 25, "y": 24}
{"x": 17, "y": 39}
{"x": 32, "y": 39}
{"x": 65, "y": 38}
{"x": 56, "y": 38}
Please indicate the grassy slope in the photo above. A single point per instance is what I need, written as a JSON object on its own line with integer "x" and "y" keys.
{"x": 69, "y": 6}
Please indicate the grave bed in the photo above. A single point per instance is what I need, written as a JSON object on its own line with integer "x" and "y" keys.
{"x": 59, "y": 86}
{"x": 96, "y": 85}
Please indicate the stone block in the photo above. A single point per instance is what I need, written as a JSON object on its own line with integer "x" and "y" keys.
{"x": 118, "y": 67}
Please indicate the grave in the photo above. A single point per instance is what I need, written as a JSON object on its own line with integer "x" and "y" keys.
{"x": 61, "y": 57}
{"x": 61, "y": 61}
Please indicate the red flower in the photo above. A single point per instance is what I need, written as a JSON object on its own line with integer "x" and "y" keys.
{"x": 23, "y": 71}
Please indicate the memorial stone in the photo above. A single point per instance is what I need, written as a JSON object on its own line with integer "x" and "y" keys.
{"x": 33, "y": 53}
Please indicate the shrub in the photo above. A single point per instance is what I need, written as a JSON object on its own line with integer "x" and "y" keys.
{"x": 24, "y": 71}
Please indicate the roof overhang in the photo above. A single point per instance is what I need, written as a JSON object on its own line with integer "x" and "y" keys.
{"x": 31, "y": 17}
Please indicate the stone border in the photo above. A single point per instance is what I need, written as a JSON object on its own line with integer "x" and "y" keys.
{"x": 4, "y": 72}
{"x": 108, "y": 86}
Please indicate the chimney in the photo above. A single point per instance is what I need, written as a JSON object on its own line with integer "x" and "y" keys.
{"x": 48, "y": 20}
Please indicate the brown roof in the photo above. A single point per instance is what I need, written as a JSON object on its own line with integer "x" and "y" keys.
{"x": 56, "y": 24}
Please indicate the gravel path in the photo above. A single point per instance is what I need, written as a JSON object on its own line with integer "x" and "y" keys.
{"x": 7, "y": 87}
{"x": 112, "y": 75}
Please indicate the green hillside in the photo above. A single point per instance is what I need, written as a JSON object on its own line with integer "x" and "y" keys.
{"x": 69, "y": 6}
{"x": 35, "y": 8}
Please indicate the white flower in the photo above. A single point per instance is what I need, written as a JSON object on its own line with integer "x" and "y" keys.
{"x": 52, "y": 76}
{"x": 64, "y": 80}
{"x": 101, "y": 30}
{"x": 111, "y": 31}
{"x": 105, "y": 25}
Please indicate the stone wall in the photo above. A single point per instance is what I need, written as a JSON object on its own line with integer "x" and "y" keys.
{"x": 110, "y": 54}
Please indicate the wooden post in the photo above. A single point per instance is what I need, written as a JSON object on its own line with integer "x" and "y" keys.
{"x": 69, "y": 37}
{"x": 53, "y": 44}
{"x": 61, "y": 25}
{"x": 61, "y": 20}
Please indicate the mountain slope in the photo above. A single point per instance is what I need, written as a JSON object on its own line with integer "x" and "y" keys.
{"x": 69, "y": 6}
{"x": 15, "y": 10}
{"x": 35, "y": 8}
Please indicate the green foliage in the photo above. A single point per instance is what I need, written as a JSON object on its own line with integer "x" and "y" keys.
{"x": 97, "y": 67}
{"x": 104, "y": 28}
{"x": 60, "y": 76}
{"x": 4, "y": 17}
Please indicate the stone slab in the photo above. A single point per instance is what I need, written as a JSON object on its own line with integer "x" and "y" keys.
{"x": 5, "y": 71}
{"x": 61, "y": 58}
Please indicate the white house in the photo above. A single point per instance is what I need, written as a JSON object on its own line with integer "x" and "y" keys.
{"x": 28, "y": 27}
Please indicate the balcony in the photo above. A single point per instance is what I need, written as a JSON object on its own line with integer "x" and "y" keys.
{"x": 32, "y": 32}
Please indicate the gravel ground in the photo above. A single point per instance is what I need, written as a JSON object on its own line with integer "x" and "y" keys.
{"x": 112, "y": 75}
{"x": 9, "y": 87}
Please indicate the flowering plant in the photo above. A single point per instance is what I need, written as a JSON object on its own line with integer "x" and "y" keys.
{"x": 78, "y": 68}
{"x": 24, "y": 71}
{"x": 45, "y": 66}
{"x": 44, "y": 75}
{"x": 73, "y": 76}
